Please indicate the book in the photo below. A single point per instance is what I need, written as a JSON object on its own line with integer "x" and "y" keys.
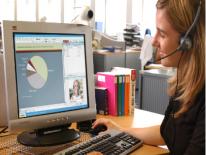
{"x": 122, "y": 95}
{"x": 109, "y": 81}
{"x": 120, "y": 99}
{"x": 133, "y": 76}
{"x": 101, "y": 100}
{"x": 126, "y": 95}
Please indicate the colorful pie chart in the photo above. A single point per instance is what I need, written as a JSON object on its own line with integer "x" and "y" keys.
{"x": 37, "y": 72}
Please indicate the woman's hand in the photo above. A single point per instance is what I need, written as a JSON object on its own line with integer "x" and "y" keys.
{"x": 94, "y": 153}
{"x": 108, "y": 123}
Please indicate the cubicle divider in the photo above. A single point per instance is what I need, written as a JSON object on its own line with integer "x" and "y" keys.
{"x": 152, "y": 94}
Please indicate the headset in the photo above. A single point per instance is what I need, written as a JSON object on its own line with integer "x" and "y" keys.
{"x": 185, "y": 40}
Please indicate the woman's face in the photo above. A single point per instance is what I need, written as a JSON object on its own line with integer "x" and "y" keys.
{"x": 166, "y": 39}
{"x": 76, "y": 87}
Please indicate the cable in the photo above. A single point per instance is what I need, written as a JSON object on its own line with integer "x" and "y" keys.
{"x": 174, "y": 106}
{"x": 4, "y": 130}
{"x": 177, "y": 73}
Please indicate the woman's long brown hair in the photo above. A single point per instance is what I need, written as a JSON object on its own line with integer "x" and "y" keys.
{"x": 191, "y": 70}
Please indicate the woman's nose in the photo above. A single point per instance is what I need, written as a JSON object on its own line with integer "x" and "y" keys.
{"x": 155, "y": 42}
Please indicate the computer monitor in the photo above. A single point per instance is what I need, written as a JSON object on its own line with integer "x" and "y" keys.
{"x": 49, "y": 80}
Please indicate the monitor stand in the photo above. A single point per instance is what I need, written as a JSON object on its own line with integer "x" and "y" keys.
{"x": 48, "y": 136}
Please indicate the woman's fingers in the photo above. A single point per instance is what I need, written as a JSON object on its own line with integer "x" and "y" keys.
{"x": 94, "y": 153}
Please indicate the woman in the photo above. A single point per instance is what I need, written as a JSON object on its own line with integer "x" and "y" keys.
{"x": 76, "y": 96}
{"x": 183, "y": 128}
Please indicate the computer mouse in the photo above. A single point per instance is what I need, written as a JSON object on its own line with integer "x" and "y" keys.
{"x": 99, "y": 128}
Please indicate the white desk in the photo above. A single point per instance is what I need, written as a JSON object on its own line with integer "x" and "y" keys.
{"x": 144, "y": 118}
{"x": 141, "y": 119}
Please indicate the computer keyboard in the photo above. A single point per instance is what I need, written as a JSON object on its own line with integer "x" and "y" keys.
{"x": 111, "y": 142}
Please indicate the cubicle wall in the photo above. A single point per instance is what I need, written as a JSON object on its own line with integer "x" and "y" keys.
{"x": 106, "y": 60}
{"x": 133, "y": 61}
{"x": 153, "y": 90}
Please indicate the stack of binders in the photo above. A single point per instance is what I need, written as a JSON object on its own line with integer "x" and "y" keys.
{"x": 120, "y": 84}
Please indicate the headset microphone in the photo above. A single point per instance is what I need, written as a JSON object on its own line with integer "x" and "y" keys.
{"x": 173, "y": 52}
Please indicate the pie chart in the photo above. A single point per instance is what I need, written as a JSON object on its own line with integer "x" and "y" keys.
{"x": 37, "y": 72}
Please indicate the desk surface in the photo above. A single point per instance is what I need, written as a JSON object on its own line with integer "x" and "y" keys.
{"x": 9, "y": 145}
{"x": 133, "y": 121}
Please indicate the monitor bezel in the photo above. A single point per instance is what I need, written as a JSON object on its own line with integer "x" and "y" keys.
{"x": 44, "y": 121}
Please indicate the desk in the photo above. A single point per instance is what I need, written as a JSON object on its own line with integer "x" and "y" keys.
{"x": 141, "y": 118}
{"x": 8, "y": 145}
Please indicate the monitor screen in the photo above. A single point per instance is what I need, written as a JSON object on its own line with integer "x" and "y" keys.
{"x": 48, "y": 72}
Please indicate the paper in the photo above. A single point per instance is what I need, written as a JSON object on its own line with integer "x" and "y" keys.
{"x": 147, "y": 51}
{"x": 143, "y": 118}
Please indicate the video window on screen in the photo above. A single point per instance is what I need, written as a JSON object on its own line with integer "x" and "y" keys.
{"x": 50, "y": 73}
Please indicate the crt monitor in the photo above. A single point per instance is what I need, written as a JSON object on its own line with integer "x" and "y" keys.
{"x": 49, "y": 80}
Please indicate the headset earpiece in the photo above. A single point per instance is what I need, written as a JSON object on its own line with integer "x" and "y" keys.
{"x": 185, "y": 40}
{"x": 185, "y": 43}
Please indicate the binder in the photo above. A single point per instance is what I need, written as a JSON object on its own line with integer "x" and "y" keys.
{"x": 109, "y": 81}
{"x": 133, "y": 76}
{"x": 120, "y": 95}
{"x": 127, "y": 95}
{"x": 101, "y": 100}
